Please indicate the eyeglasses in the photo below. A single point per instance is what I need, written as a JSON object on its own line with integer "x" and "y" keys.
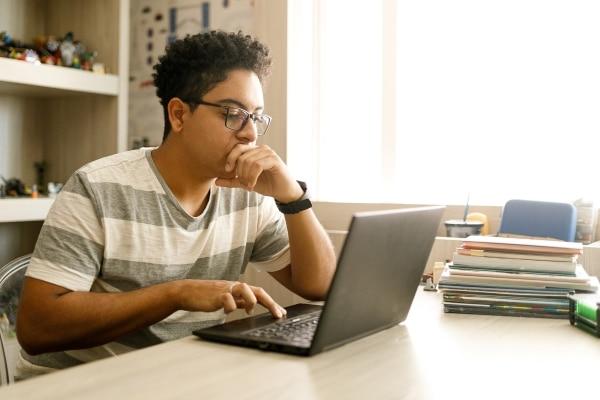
{"x": 237, "y": 118}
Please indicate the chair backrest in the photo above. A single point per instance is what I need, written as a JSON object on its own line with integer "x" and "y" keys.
{"x": 12, "y": 276}
{"x": 539, "y": 218}
{"x": 5, "y": 377}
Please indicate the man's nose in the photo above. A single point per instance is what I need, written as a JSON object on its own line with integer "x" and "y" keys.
{"x": 248, "y": 132}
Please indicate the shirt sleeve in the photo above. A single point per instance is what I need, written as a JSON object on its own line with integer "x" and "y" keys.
{"x": 70, "y": 247}
{"x": 271, "y": 250}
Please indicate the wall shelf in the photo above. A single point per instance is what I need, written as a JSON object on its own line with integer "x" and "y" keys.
{"x": 24, "y": 209}
{"x": 23, "y": 78}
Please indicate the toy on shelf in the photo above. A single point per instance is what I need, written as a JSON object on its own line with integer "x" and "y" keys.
{"x": 51, "y": 50}
{"x": 54, "y": 189}
{"x": 13, "y": 187}
{"x": 6, "y": 41}
{"x": 16, "y": 50}
{"x": 40, "y": 175}
{"x": 68, "y": 54}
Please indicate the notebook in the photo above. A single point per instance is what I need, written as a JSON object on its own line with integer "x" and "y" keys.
{"x": 378, "y": 272}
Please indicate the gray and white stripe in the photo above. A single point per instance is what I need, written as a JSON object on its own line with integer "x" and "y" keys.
{"x": 117, "y": 227}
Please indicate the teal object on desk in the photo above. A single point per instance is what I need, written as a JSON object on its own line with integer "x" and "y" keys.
{"x": 539, "y": 218}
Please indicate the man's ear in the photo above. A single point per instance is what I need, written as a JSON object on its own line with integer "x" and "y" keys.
{"x": 177, "y": 110}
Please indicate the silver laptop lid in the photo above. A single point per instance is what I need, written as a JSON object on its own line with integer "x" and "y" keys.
{"x": 378, "y": 272}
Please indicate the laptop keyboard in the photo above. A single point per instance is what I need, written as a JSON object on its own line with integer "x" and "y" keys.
{"x": 297, "y": 330}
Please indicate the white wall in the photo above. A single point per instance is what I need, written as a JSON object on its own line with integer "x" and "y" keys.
{"x": 261, "y": 18}
{"x": 270, "y": 28}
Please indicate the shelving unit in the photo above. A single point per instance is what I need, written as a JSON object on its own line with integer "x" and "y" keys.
{"x": 63, "y": 116}
{"x": 21, "y": 210}
{"x": 26, "y": 79}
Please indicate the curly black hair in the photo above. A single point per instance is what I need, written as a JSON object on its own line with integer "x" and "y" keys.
{"x": 194, "y": 65}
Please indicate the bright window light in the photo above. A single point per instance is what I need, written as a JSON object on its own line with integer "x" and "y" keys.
{"x": 423, "y": 102}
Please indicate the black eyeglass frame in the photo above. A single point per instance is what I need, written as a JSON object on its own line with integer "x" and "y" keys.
{"x": 247, "y": 115}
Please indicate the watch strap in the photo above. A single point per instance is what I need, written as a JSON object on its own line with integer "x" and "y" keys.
{"x": 294, "y": 207}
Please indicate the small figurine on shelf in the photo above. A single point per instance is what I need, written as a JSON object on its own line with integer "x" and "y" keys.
{"x": 41, "y": 44}
{"x": 50, "y": 50}
{"x": 79, "y": 47}
{"x": 40, "y": 174}
{"x": 15, "y": 54}
{"x": 6, "y": 41}
{"x": 52, "y": 44}
{"x": 76, "y": 62}
{"x": 48, "y": 59}
{"x": 80, "y": 50}
{"x": 31, "y": 56}
{"x": 18, "y": 51}
{"x": 98, "y": 68}
{"x": 87, "y": 60}
{"x": 14, "y": 187}
{"x": 54, "y": 188}
{"x": 67, "y": 50}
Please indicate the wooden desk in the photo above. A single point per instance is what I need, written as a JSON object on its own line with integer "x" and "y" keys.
{"x": 431, "y": 356}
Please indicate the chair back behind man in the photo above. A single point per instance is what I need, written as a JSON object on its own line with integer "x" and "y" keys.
{"x": 4, "y": 374}
{"x": 12, "y": 276}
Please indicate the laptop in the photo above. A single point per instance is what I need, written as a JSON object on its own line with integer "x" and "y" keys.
{"x": 378, "y": 272}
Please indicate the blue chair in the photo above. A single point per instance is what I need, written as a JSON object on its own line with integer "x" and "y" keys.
{"x": 539, "y": 218}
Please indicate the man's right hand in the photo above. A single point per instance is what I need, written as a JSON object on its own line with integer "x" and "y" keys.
{"x": 207, "y": 296}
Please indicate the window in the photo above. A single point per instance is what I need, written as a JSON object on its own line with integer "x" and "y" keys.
{"x": 427, "y": 101}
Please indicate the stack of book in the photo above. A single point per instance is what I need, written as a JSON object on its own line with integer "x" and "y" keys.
{"x": 514, "y": 277}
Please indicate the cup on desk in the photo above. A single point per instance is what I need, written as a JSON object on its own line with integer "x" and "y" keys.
{"x": 460, "y": 228}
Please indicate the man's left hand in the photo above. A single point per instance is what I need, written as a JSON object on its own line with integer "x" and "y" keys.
{"x": 259, "y": 169}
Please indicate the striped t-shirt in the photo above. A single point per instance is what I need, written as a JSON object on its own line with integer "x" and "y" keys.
{"x": 116, "y": 226}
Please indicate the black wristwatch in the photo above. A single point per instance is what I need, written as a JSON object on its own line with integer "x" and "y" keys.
{"x": 294, "y": 207}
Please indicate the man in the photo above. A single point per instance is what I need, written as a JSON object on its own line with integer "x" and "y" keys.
{"x": 147, "y": 245}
